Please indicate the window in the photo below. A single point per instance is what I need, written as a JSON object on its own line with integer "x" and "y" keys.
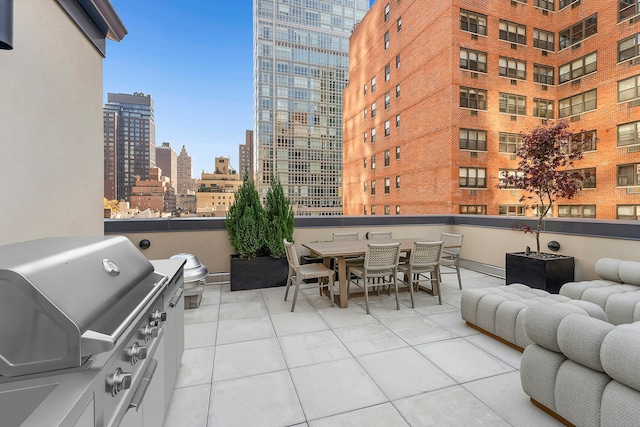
{"x": 397, "y": 91}
{"x": 627, "y": 8}
{"x": 365, "y": 162}
{"x": 473, "y": 139}
{"x": 578, "y": 68}
{"x": 387, "y": 185}
{"x": 397, "y": 181}
{"x": 399, "y": 24}
{"x": 509, "y": 142}
{"x": 373, "y": 84}
{"x": 373, "y": 162}
{"x": 583, "y": 141}
{"x": 473, "y": 209}
{"x": 628, "y": 212}
{"x": 565, "y": 3}
{"x": 628, "y": 175}
{"x": 373, "y": 191}
{"x": 543, "y": 108}
{"x": 544, "y": 4}
{"x": 628, "y": 134}
{"x": 577, "y": 211}
{"x": 543, "y": 74}
{"x": 513, "y": 104}
{"x": 473, "y": 60}
{"x": 387, "y": 128}
{"x": 364, "y": 113}
{"x": 590, "y": 178}
{"x": 398, "y": 152}
{"x": 511, "y": 210}
{"x": 386, "y": 12}
{"x": 373, "y": 135}
{"x": 387, "y": 73}
{"x": 629, "y": 89}
{"x": 387, "y": 158}
{"x": 373, "y": 209}
{"x": 365, "y": 137}
{"x": 628, "y": 48}
{"x": 387, "y": 100}
{"x": 536, "y": 210}
{"x": 365, "y": 186}
{"x": 387, "y": 209}
{"x": 397, "y": 61}
{"x": 397, "y": 209}
{"x": 386, "y": 40}
{"x": 544, "y": 40}
{"x": 472, "y": 177}
{"x": 577, "y": 104}
{"x": 373, "y": 110}
{"x": 473, "y": 98}
{"x": 364, "y": 210}
{"x": 473, "y": 22}
{"x": 397, "y": 120}
{"x": 512, "y": 32}
{"x": 578, "y": 32}
{"x": 512, "y": 68}
{"x": 504, "y": 173}
{"x": 364, "y": 89}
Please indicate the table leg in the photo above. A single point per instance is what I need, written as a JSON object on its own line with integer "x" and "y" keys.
{"x": 343, "y": 302}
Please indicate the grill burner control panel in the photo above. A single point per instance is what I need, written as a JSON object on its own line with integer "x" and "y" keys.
{"x": 136, "y": 353}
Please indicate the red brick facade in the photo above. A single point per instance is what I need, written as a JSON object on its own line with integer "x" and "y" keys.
{"x": 428, "y": 46}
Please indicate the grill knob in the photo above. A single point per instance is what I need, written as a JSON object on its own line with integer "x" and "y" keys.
{"x": 136, "y": 353}
{"x": 159, "y": 316}
{"x": 118, "y": 381}
{"x": 149, "y": 332}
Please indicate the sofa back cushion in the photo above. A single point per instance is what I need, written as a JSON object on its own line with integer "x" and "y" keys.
{"x": 629, "y": 272}
{"x": 580, "y": 339}
{"x": 620, "y": 354}
{"x": 607, "y": 269}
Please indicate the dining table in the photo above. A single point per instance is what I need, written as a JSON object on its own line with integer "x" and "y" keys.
{"x": 342, "y": 250}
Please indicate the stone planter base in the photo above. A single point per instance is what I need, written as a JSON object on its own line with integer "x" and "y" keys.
{"x": 258, "y": 273}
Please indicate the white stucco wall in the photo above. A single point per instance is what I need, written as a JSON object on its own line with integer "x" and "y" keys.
{"x": 51, "y": 142}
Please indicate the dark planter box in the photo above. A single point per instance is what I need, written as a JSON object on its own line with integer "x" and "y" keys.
{"x": 258, "y": 273}
{"x": 548, "y": 273}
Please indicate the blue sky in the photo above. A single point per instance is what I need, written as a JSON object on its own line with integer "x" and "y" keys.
{"x": 195, "y": 59}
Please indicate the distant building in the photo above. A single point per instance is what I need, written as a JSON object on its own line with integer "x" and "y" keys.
{"x": 301, "y": 67}
{"x": 185, "y": 183}
{"x": 129, "y": 142}
{"x": 216, "y": 191}
{"x": 167, "y": 160}
{"x": 150, "y": 194}
{"x": 246, "y": 156}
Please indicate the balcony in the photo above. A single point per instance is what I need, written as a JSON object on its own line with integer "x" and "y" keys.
{"x": 250, "y": 361}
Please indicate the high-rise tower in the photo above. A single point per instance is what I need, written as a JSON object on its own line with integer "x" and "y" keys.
{"x": 301, "y": 63}
{"x": 129, "y": 142}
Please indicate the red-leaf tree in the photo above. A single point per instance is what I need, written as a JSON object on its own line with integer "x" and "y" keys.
{"x": 545, "y": 169}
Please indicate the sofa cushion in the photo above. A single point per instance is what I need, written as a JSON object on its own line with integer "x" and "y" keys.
{"x": 623, "y": 308}
{"x": 607, "y": 268}
{"x": 578, "y": 393}
{"x": 619, "y": 405}
{"x": 542, "y": 320}
{"x": 629, "y": 272}
{"x": 580, "y": 339}
{"x": 620, "y": 354}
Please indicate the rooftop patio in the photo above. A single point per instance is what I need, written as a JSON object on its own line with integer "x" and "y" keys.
{"x": 249, "y": 361}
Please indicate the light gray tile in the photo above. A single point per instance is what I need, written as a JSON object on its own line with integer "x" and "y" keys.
{"x": 242, "y": 310}
{"x": 497, "y": 349}
{"x": 188, "y": 407}
{"x": 334, "y": 387}
{"x": 298, "y": 322}
{"x": 237, "y": 330}
{"x": 274, "y": 292}
{"x": 384, "y": 415}
{"x": 418, "y": 330}
{"x": 279, "y": 305}
{"x": 404, "y": 372}
{"x": 462, "y": 360}
{"x": 387, "y": 310}
{"x": 211, "y": 295}
{"x": 369, "y": 338}
{"x": 241, "y": 296}
{"x": 196, "y": 367}
{"x": 452, "y": 406}
{"x": 452, "y": 321}
{"x": 200, "y": 335}
{"x": 202, "y": 314}
{"x": 504, "y": 395}
{"x": 247, "y": 358}
{"x": 264, "y": 400}
{"x": 314, "y": 347}
{"x": 341, "y": 317}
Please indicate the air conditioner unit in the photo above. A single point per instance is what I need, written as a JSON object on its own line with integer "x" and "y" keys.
{"x": 512, "y": 157}
{"x": 474, "y": 75}
{"x": 545, "y": 12}
{"x": 514, "y": 82}
{"x": 544, "y": 87}
{"x": 576, "y": 4}
{"x": 575, "y": 118}
{"x": 545, "y": 53}
{"x": 474, "y": 112}
{"x": 473, "y": 154}
{"x": 514, "y": 46}
{"x": 576, "y": 46}
{"x": 473, "y": 192}
{"x": 576, "y": 82}
{"x": 514, "y": 3}
{"x": 514, "y": 118}
{"x": 474, "y": 37}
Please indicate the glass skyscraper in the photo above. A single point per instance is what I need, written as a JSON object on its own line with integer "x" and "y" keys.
{"x": 301, "y": 64}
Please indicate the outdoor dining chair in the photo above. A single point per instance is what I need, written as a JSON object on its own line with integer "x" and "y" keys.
{"x": 380, "y": 261}
{"x": 298, "y": 273}
{"x": 379, "y": 235}
{"x": 349, "y": 261}
{"x": 423, "y": 266}
{"x": 451, "y": 253}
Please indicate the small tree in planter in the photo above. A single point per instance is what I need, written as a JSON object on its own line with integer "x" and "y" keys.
{"x": 279, "y": 214}
{"x": 246, "y": 222}
{"x": 545, "y": 170}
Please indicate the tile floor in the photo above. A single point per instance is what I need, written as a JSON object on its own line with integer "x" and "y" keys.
{"x": 249, "y": 361}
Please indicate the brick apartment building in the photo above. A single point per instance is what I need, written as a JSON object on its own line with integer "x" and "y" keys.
{"x": 439, "y": 92}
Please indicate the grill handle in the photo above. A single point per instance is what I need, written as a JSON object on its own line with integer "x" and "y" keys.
{"x": 176, "y": 297}
{"x": 93, "y": 342}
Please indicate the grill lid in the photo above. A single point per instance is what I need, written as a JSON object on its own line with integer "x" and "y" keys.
{"x": 67, "y": 298}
